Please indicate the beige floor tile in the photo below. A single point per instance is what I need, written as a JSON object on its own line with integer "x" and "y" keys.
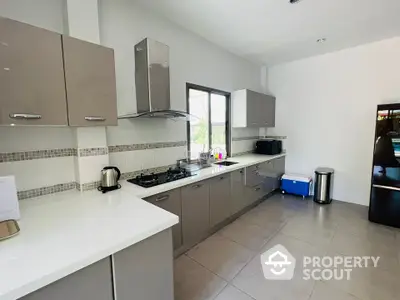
{"x": 221, "y": 255}
{"x": 232, "y": 293}
{"x": 323, "y": 291}
{"x": 248, "y": 235}
{"x": 194, "y": 282}
{"x": 266, "y": 219}
{"x": 318, "y": 232}
{"x": 251, "y": 279}
{"x": 370, "y": 284}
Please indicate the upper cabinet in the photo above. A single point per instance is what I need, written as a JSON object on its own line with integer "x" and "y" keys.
{"x": 32, "y": 88}
{"x": 90, "y": 83}
{"x": 38, "y": 88}
{"x": 252, "y": 109}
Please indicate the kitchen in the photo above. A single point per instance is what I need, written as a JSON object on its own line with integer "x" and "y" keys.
{"x": 159, "y": 142}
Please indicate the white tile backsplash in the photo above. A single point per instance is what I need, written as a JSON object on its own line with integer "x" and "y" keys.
{"x": 90, "y": 137}
{"x": 37, "y": 173}
{"x": 242, "y": 146}
{"x": 15, "y": 139}
{"x": 90, "y": 168}
{"x": 143, "y": 130}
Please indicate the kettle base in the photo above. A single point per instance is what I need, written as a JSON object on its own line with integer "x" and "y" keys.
{"x": 105, "y": 189}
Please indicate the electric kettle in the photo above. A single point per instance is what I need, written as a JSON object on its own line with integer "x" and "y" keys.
{"x": 109, "y": 179}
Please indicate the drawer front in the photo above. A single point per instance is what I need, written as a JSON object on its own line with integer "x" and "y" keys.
{"x": 252, "y": 176}
{"x": 172, "y": 202}
{"x": 254, "y": 193}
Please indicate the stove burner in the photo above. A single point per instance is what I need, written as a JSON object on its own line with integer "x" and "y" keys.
{"x": 160, "y": 178}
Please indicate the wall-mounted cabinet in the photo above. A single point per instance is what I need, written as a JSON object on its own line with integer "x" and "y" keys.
{"x": 90, "y": 83}
{"x": 32, "y": 88}
{"x": 252, "y": 109}
{"x": 38, "y": 87}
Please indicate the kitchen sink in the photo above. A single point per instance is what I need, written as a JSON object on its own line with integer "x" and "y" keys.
{"x": 226, "y": 163}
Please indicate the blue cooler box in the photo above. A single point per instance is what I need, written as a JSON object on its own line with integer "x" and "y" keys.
{"x": 296, "y": 184}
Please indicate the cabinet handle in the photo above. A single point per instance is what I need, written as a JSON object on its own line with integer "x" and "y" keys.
{"x": 25, "y": 116}
{"x": 89, "y": 118}
{"x": 257, "y": 189}
{"x": 241, "y": 172}
{"x": 197, "y": 186}
{"x": 162, "y": 198}
{"x": 222, "y": 178}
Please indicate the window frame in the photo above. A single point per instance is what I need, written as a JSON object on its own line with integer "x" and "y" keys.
{"x": 210, "y": 91}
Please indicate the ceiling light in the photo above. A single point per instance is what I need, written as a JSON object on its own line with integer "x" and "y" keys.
{"x": 321, "y": 40}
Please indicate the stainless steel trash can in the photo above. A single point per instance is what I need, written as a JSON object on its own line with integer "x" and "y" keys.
{"x": 323, "y": 185}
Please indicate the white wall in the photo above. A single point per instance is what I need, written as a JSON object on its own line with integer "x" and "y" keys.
{"x": 193, "y": 59}
{"x": 326, "y": 107}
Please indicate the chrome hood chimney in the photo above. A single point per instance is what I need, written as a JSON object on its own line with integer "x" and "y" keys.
{"x": 152, "y": 82}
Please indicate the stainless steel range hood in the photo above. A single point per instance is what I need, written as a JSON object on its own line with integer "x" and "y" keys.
{"x": 152, "y": 82}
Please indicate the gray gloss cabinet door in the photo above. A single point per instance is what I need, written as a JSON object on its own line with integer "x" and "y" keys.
{"x": 268, "y": 110}
{"x": 32, "y": 89}
{"x": 171, "y": 201}
{"x": 90, "y": 83}
{"x": 195, "y": 212}
{"x": 91, "y": 283}
{"x": 220, "y": 199}
{"x": 238, "y": 197}
{"x": 145, "y": 270}
{"x": 253, "y": 109}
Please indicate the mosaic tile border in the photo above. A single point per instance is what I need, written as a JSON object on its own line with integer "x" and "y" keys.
{"x": 245, "y": 138}
{"x": 84, "y": 152}
{"x": 46, "y": 190}
{"x": 242, "y": 153}
{"x": 87, "y": 186}
{"x": 135, "y": 147}
{"x": 37, "y": 154}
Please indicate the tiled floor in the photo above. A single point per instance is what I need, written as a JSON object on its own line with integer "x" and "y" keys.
{"x": 227, "y": 265}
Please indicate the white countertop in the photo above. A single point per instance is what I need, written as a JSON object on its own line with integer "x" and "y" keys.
{"x": 65, "y": 232}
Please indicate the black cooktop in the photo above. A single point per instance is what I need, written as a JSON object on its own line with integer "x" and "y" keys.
{"x": 155, "y": 179}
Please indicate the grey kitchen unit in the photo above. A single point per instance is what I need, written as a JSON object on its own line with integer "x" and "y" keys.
{"x": 90, "y": 83}
{"x": 31, "y": 76}
{"x": 220, "y": 199}
{"x": 171, "y": 201}
{"x": 91, "y": 283}
{"x": 195, "y": 212}
{"x": 145, "y": 271}
{"x": 252, "y": 109}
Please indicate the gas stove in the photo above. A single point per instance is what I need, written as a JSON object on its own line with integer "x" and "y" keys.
{"x": 155, "y": 179}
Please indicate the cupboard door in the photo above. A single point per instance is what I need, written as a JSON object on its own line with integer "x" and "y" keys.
{"x": 32, "y": 89}
{"x": 238, "y": 197}
{"x": 220, "y": 199}
{"x": 90, "y": 83}
{"x": 253, "y": 109}
{"x": 195, "y": 212}
{"x": 91, "y": 283}
{"x": 269, "y": 104}
{"x": 145, "y": 270}
{"x": 172, "y": 202}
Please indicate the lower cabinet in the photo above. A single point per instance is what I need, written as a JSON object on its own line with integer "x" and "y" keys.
{"x": 171, "y": 201}
{"x": 91, "y": 283}
{"x": 220, "y": 199}
{"x": 145, "y": 271}
{"x": 238, "y": 196}
{"x": 195, "y": 211}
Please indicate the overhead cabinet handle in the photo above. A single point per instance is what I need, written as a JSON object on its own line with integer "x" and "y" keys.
{"x": 197, "y": 186}
{"x": 25, "y": 116}
{"x": 91, "y": 118}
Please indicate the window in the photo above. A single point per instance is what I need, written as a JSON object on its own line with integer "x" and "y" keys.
{"x": 210, "y": 127}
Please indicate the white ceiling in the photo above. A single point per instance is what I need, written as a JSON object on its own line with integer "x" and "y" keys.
{"x": 274, "y": 31}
